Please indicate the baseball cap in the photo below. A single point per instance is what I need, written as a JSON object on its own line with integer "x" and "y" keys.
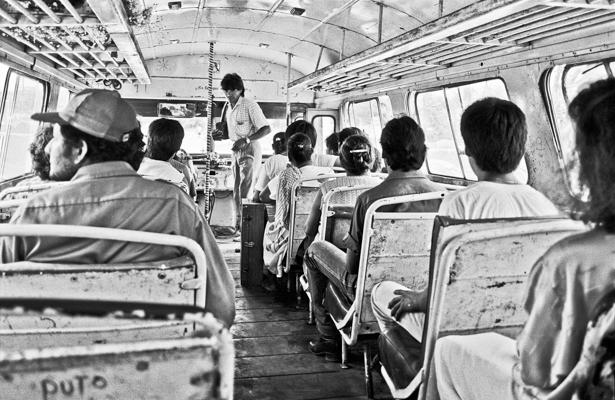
{"x": 97, "y": 112}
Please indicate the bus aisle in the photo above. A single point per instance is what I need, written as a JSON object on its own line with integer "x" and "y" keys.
{"x": 272, "y": 358}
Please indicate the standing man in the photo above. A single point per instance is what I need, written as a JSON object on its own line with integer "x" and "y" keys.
{"x": 246, "y": 124}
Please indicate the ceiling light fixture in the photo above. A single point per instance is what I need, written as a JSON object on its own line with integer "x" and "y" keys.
{"x": 263, "y": 45}
{"x": 174, "y": 5}
{"x": 297, "y": 11}
{"x": 174, "y": 41}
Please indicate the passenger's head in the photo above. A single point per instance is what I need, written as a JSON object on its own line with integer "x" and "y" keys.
{"x": 332, "y": 144}
{"x": 40, "y": 159}
{"x": 96, "y": 126}
{"x": 356, "y": 155}
{"x": 494, "y": 132}
{"x": 279, "y": 143}
{"x": 347, "y": 132}
{"x": 165, "y": 139}
{"x": 403, "y": 144}
{"x": 593, "y": 114}
{"x": 304, "y": 127}
{"x": 233, "y": 88}
{"x": 300, "y": 149}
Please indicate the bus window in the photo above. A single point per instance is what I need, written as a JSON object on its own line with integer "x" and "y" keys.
{"x": 563, "y": 83}
{"x": 324, "y": 124}
{"x": 371, "y": 115}
{"x": 64, "y": 96}
{"x": 439, "y": 114}
{"x": 24, "y": 96}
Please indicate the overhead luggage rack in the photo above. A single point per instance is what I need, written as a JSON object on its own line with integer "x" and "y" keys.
{"x": 93, "y": 42}
{"x": 484, "y": 36}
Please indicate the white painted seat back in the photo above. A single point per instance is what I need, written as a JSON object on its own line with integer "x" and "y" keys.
{"x": 339, "y": 196}
{"x": 302, "y": 197}
{"x": 47, "y": 355}
{"x": 178, "y": 281}
{"x": 479, "y": 273}
{"x": 395, "y": 246}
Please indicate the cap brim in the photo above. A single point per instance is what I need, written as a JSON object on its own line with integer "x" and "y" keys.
{"x": 52, "y": 117}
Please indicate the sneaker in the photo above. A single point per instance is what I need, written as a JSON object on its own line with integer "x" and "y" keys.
{"x": 325, "y": 347}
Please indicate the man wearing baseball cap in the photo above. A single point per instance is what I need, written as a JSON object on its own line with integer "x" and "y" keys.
{"x": 97, "y": 145}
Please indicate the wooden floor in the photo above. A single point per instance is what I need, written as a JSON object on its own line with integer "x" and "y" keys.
{"x": 272, "y": 358}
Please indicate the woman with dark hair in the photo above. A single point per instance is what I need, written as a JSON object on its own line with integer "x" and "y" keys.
{"x": 300, "y": 151}
{"x": 565, "y": 286}
{"x": 356, "y": 156}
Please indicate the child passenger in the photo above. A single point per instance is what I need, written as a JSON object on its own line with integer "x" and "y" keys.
{"x": 564, "y": 288}
{"x": 494, "y": 132}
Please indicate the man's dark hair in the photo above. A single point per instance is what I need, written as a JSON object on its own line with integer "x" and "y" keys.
{"x": 332, "y": 143}
{"x": 347, "y": 132}
{"x": 356, "y": 155}
{"x": 494, "y": 132}
{"x": 279, "y": 143}
{"x": 40, "y": 158}
{"x": 593, "y": 112}
{"x": 101, "y": 150}
{"x": 403, "y": 144}
{"x": 301, "y": 126}
{"x": 300, "y": 149}
{"x": 165, "y": 139}
{"x": 233, "y": 82}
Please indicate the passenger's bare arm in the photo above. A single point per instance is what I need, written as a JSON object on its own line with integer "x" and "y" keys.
{"x": 408, "y": 301}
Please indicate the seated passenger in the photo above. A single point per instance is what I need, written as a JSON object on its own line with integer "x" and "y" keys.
{"x": 38, "y": 156}
{"x": 342, "y": 135}
{"x": 563, "y": 289}
{"x": 300, "y": 154}
{"x": 97, "y": 145}
{"x": 494, "y": 132}
{"x": 356, "y": 158}
{"x": 403, "y": 146}
{"x": 182, "y": 161}
{"x": 332, "y": 145}
{"x": 272, "y": 165}
{"x": 318, "y": 160}
{"x": 165, "y": 139}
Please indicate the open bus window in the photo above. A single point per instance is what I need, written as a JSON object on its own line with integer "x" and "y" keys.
{"x": 562, "y": 84}
{"x": 370, "y": 115}
{"x": 23, "y": 97}
{"x": 439, "y": 114}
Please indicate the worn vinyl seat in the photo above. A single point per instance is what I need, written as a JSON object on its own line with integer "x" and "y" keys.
{"x": 400, "y": 354}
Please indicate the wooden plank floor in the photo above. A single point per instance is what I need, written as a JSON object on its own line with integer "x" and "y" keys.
{"x": 272, "y": 358}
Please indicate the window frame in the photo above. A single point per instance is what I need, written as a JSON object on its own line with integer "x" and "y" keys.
{"x": 547, "y": 96}
{"x": 3, "y": 107}
{"x": 412, "y": 108}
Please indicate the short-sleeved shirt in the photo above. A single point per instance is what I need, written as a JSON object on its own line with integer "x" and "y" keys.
{"x": 157, "y": 170}
{"x": 270, "y": 169}
{"x": 496, "y": 200}
{"x": 244, "y": 119}
{"x": 397, "y": 183}
{"x": 112, "y": 195}
{"x": 564, "y": 288}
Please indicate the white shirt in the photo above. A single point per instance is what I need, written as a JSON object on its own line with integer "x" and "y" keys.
{"x": 244, "y": 119}
{"x": 156, "y": 170}
{"x": 496, "y": 200}
{"x": 270, "y": 169}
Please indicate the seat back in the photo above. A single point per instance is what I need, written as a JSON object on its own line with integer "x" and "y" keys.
{"x": 302, "y": 197}
{"x": 52, "y": 354}
{"x": 478, "y": 274}
{"x": 395, "y": 246}
{"x": 334, "y": 219}
{"x": 177, "y": 281}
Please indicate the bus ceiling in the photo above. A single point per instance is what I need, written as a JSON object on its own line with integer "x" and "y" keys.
{"x": 328, "y": 46}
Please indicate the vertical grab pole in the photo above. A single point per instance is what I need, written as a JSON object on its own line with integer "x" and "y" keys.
{"x": 210, "y": 124}
{"x": 290, "y": 58}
